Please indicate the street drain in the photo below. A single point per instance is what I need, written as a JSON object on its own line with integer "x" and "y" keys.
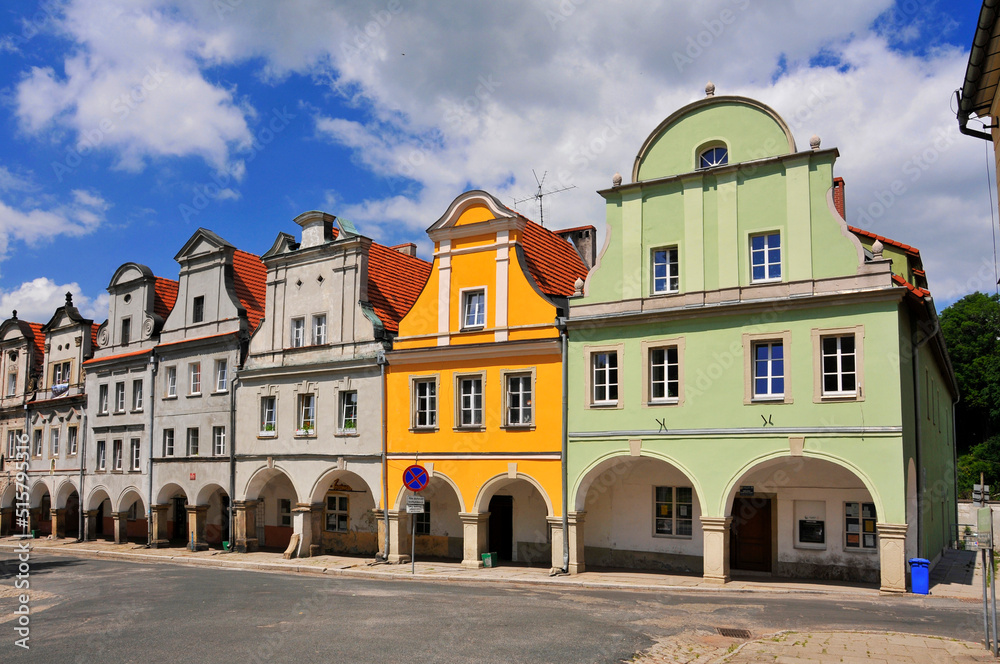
{"x": 733, "y": 633}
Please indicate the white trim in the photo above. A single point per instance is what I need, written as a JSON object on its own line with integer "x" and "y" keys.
{"x": 444, "y": 294}
{"x": 501, "y": 285}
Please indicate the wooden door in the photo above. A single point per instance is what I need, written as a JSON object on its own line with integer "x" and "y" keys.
{"x": 750, "y": 539}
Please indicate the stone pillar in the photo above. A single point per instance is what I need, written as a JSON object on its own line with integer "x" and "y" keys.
{"x": 6, "y": 521}
{"x": 476, "y": 531}
{"x": 555, "y": 527}
{"x": 58, "y": 523}
{"x": 246, "y": 525}
{"x": 161, "y": 537}
{"x": 892, "y": 556}
{"x": 302, "y": 523}
{"x": 577, "y": 562}
{"x": 379, "y": 533}
{"x": 90, "y": 524}
{"x": 399, "y": 537}
{"x": 715, "y": 530}
{"x": 121, "y": 527}
{"x": 196, "y": 527}
{"x": 318, "y": 512}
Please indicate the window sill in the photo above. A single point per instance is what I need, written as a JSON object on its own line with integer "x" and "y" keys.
{"x": 664, "y": 293}
{"x": 604, "y": 405}
{"x": 855, "y": 550}
{"x": 810, "y": 547}
{"x": 423, "y": 429}
{"x": 474, "y": 328}
{"x": 136, "y": 410}
{"x": 519, "y": 427}
{"x": 305, "y": 433}
{"x": 103, "y": 414}
{"x": 220, "y": 392}
{"x": 770, "y": 399}
{"x": 664, "y": 402}
{"x": 347, "y": 433}
{"x": 833, "y": 398}
{"x": 267, "y": 434}
{"x": 673, "y": 537}
{"x": 170, "y": 397}
{"x": 760, "y": 282}
{"x": 470, "y": 428}
{"x": 194, "y": 395}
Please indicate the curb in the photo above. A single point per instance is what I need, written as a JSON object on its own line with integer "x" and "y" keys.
{"x": 350, "y": 572}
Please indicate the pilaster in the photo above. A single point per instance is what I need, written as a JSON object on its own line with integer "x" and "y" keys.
{"x": 892, "y": 556}
{"x": 475, "y": 528}
{"x": 121, "y": 527}
{"x": 577, "y": 564}
{"x": 246, "y": 525}
{"x": 90, "y": 525}
{"x": 555, "y": 527}
{"x": 58, "y": 522}
{"x": 399, "y": 537}
{"x": 716, "y": 550}
{"x": 303, "y": 527}
{"x": 161, "y": 536}
{"x": 196, "y": 527}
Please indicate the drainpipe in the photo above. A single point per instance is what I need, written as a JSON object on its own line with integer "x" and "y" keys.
{"x": 83, "y": 464}
{"x": 232, "y": 456}
{"x": 974, "y": 71}
{"x": 385, "y": 457}
{"x": 151, "y": 398}
{"x": 564, "y": 339}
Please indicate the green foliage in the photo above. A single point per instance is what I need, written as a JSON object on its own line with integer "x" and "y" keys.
{"x": 982, "y": 458}
{"x": 971, "y": 329}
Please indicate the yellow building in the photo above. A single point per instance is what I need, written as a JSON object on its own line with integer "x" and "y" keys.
{"x": 475, "y": 385}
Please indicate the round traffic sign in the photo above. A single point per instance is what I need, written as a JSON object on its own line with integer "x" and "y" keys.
{"x": 415, "y": 478}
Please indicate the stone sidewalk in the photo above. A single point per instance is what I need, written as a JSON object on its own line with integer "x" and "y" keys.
{"x": 823, "y": 647}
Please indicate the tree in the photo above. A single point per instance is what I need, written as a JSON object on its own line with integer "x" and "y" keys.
{"x": 971, "y": 329}
{"x": 984, "y": 459}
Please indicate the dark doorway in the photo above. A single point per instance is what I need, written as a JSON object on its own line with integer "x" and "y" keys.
{"x": 100, "y": 517}
{"x": 750, "y": 540}
{"x": 72, "y": 515}
{"x": 225, "y": 519}
{"x": 502, "y": 526}
{"x": 180, "y": 519}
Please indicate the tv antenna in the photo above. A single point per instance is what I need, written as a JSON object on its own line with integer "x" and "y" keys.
{"x": 540, "y": 194}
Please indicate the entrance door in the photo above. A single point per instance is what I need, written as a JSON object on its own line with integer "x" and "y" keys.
{"x": 180, "y": 519}
{"x": 750, "y": 540}
{"x": 502, "y": 526}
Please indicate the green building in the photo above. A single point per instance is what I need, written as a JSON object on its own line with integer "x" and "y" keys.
{"x": 755, "y": 386}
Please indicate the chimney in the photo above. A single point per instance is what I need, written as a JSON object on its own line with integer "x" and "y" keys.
{"x": 838, "y": 197}
{"x": 408, "y": 249}
{"x": 583, "y": 240}
{"x": 317, "y": 228}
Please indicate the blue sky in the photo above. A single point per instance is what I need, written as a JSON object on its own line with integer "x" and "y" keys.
{"x": 127, "y": 125}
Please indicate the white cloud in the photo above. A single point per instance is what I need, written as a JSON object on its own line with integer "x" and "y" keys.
{"x": 37, "y": 301}
{"x": 33, "y": 223}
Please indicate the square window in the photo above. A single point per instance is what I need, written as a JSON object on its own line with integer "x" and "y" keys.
{"x": 298, "y": 332}
{"x": 768, "y": 370}
{"x": 673, "y": 512}
{"x": 168, "y": 442}
{"x": 425, "y": 403}
{"x": 307, "y": 415}
{"x": 219, "y": 441}
{"x": 348, "y": 419}
{"x": 474, "y": 309}
{"x": 221, "y": 375}
{"x": 337, "y": 513}
{"x": 765, "y": 257}
{"x": 198, "y": 309}
{"x": 664, "y": 374}
{"x": 839, "y": 362}
{"x": 192, "y": 441}
{"x": 519, "y": 400}
{"x": 136, "y": 395}
{"x": 470, "y": 405}
{"x": 666, "y": 271}
{"x": 268, "y": 416}
{"x": 604, "y": 366}
{"x": 194, "y": 374}
{"x": 319, "y": 329}
{"x": 284, "y": 511}
{"x": 171, "y": 381}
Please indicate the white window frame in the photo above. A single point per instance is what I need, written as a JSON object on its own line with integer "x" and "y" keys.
{"x": 651, "y": 378}
{"x": 715, "y": 162}
{"x": 771, "y": 375}
{"x": 221, "y": 375}
{"x": 672, "y": 275}
{"x": 120, "y": 397}
{"x": 54, "y": 441}
{"x": 12, "y": 383}
{"x": 11, "y": 443}
{"x": 116, "y": 454}
{"x": 136, "y": 395}
{"x": 192, "y": 441}
{"x": 305, "y": 415}
{"x": 509, "y": 409}
{"x": 424, "y": 404}
{"x": 318, "y": 329}
{"x": 219, "y": 441}
{"x": 171, "y": 382}
{"x": 61, "y": 373}
{"x": 194, "y": 378}
{"x": 168, "y": 442}
{"x": 342, "y": 516}
{"x": 463, "y": 405}
{"x": 135, "y": 455}
{"x": 602, "y": 378}
{"x": 72, "y": 440}
{"x": 675, "y": 518}
{"x": 479, "y": 322}
{"x": 767, "y": 264}
{"x": 264, "y": 410}
{"x": 102, "y": 455}
{"x": 36, "y": 443}
{"x": 344, "y": 408}
{"x": 298, "y": 332}
{"x": 819, "y": 335}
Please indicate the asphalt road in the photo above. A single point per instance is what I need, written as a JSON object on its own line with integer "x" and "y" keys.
{"x": 85, "y": 611}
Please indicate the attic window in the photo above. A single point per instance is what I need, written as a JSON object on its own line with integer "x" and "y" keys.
{"x": 713, "y": 157}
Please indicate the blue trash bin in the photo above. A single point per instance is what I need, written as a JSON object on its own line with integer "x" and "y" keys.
{"x": 920, "y": 576}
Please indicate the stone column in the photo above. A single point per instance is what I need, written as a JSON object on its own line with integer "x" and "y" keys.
{"x": 715, "y": 530}
{"x": 399, "y": 537}
{"x": 196, "y": 527}
{"x": 476, "y": 531}
{"x": 161, "y": 537}
{"x": 892, "y": 556}
{"x": 317, "y": 512}
{"x": 379, "y": 533}
{"x": 90, "y": 524}
{"x": 577, "y": 563}
{"x": 246, "y": 525}
{"x": 555, "y": 527}
{"x": 121, "y": 527}
{"x": 6, "y": 521}
{"x": 58, "y": 523}
{"x": 302, "y": 523}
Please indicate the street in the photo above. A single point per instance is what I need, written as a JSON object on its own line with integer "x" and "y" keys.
{"x": 103, "y": 611}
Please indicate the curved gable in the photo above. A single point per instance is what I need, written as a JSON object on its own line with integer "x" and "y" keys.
{"x": 749, "y": 129}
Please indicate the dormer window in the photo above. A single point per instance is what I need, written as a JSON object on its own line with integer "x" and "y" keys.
{"x": 474, "y": 309}
{"x": 198, "y": 309}
{"x": 712, "y": 157}
{"x": 126, "y": 331}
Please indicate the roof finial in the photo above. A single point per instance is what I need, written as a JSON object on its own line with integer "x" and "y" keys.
{"x": 710, "y": 89}
{"x": 617, "y": 180}
{"x": 69, "y": 299}
{"x": 578, "y": 286}
{"x": 814, "y": 142}
{"x": 15, "y": 314}
{"x": 877, "y": 248}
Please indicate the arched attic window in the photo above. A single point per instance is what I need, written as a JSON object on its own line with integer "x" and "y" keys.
{"x": 717, "y": 155}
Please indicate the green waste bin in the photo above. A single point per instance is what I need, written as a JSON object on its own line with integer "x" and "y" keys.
{"x": 34, "y": 534}
{"x": 225, "y": 546}
{"x": 490, "y": 559}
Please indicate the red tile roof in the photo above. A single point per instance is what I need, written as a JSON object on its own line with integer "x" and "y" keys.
{"x": 913, "y": 251}
{"x": 394, "y": 283}
{"x": 249, "y": 280}
{"x": 552, "y": 261}
{"x": 36, "y": 329}
{"x": 164, "y": 296}
{"x": 119, "y": 356}
{"x": 915, "y": 290}
{"x": 93, "y": 336}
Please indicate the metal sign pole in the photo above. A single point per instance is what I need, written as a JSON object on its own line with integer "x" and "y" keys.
{"x": 993, "y": 599}
{"x": 413, "y": 551}
{"x": 986, "y": 611}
